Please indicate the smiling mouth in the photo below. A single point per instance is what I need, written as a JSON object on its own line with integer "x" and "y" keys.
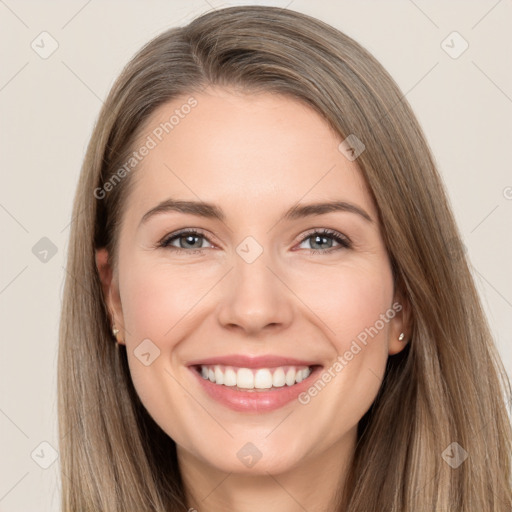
{"x": 255, "y": 379}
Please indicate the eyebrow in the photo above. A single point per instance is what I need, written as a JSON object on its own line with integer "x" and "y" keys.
{"x": 212, "y": 211}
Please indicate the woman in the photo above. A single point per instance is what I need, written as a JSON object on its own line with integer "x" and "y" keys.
{"x": 213, "y": 355}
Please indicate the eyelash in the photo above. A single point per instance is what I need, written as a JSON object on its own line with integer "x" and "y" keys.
{"x": 342, "y": 240}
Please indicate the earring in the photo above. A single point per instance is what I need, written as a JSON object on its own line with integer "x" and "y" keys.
{"x": 115, "y": 332}
{"x": 401, "y": 337}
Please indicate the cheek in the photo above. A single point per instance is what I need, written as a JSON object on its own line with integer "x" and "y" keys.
{"x": 357, "y": 310}
{"x": 154, "y": 299}
{"x": 159, "y": 304}
{"x": 349, "y": 300}
{"x": 156, "y": 304}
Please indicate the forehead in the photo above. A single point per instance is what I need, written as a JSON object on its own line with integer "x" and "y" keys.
{"x": 244, "y": 151}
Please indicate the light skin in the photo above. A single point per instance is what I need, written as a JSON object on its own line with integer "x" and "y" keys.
{"x": 255, "y": 156}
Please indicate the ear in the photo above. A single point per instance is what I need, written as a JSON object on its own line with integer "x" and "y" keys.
{"x": 110, "y": 287}
{"x": 400, "y": 323}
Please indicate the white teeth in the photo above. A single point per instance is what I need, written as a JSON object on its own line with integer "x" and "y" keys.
{"x": 245, "y": 378}
{"x": 290, "y": 377}
{"x": 229, "y": 377}
{"x": 261, "y": 378}
{"x": 278, "y": 379}
{"x": 219, "y": 376}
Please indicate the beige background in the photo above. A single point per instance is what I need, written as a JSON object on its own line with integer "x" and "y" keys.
{"x": 47, "y": 110}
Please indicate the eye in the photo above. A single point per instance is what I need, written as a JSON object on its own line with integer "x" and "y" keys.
{"x": 193, "y": 239}
{"x": 322, "y": 237}
{"x": 187, "y": 239}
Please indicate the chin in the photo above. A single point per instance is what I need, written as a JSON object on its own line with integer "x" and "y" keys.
{"x": 249, "y": 460}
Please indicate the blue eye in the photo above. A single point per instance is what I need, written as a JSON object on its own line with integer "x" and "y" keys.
{"x": 322, "y": 236}
{"x": 190, "y": 236}
{"x": 193, "y": 239}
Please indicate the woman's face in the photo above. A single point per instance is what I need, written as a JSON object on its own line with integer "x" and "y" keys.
{"x": 259, "y": 279}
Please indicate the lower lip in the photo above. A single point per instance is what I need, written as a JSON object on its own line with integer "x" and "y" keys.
{"x": 255, "y": 401}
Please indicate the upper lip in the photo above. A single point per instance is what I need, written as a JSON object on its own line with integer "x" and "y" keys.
{"x": 243, "y": 361}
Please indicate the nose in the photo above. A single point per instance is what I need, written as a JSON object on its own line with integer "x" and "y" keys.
{"x": 255, "y": 298}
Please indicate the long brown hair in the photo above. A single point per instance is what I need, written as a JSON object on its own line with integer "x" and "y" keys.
{"x": 447, "y": 386}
